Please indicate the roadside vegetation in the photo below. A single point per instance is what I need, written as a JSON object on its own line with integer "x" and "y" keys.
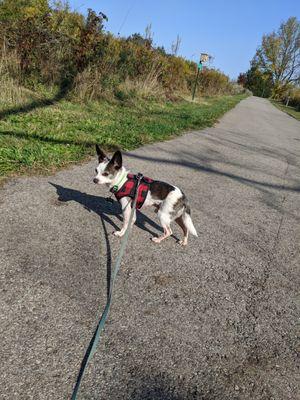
{"x": 66, "y": 83}
{"x": 292, "y": 111}
{"x": 57, "y": 135}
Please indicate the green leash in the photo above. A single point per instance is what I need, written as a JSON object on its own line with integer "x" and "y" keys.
{"x": 96, "y": 336}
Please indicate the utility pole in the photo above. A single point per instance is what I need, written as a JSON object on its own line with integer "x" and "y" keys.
{"x": 199, "y": 68}
{"x": 203, "y": 58}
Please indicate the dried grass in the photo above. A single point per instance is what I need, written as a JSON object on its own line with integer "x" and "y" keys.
{"x": 12, "y": 93}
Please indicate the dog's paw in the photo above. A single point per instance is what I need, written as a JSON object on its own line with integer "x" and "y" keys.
{"x": 156, "y": 240}
{"x": 182, "y": 242}
{"x": 118, "y": 233}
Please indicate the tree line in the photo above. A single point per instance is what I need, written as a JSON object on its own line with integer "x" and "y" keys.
{"x": 275, "y": 68}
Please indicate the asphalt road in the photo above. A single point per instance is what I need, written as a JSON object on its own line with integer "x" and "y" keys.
{"x": 218, "y": 319}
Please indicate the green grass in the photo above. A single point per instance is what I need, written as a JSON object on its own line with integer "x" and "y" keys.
{"x": 52, "y": 136}
{"x": 289, "y": 110}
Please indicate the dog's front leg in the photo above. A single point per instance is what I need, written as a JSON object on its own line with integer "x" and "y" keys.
{"x": 126, "y": 208}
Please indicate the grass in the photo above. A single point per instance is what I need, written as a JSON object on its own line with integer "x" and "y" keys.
{"x": 289, "y": 110}
{"x": 53, "y": 136}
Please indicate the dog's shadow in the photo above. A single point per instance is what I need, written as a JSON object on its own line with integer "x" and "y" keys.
{"x": 104, "y": 208}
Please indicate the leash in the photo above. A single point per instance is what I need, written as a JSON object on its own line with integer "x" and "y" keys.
{"x": 96, "y": 336}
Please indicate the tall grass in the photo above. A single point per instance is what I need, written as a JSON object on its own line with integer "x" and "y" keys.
{"x": 54, "y": 46}
{"x": 12, "y": 93}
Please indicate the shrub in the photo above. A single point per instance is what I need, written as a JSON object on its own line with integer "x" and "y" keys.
{"x": 56, "y": 46}
{"x": 238, "y": 89}
{"x": 213, "y": 82}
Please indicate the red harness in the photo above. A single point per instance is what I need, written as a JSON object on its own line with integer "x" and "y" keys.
{"x": 128, "y": 189}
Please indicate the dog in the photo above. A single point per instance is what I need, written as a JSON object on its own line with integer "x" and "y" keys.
{"x": 169, "y": 201}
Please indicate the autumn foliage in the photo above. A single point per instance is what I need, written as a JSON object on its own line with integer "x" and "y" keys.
{"x": 57, "y": 47}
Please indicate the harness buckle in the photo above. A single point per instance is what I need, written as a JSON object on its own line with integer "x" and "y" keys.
{"x": 139, "y": 176}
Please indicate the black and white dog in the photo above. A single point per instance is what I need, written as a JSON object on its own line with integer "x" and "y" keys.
{"x": 169, "y": 201}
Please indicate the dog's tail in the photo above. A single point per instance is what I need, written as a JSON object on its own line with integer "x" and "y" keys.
{"x": 188, "y": 221}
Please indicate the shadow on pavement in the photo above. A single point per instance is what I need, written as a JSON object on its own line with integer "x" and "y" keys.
{"x": 196, "y": 166}
{"x": 103, "y": 208}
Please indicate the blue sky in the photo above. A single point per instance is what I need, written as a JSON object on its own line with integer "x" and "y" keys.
{"x": 228, "y": 30}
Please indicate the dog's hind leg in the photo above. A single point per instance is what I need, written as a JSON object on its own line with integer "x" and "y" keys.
{"x": 181, "y": 223}
{"x": 165, "y": 221}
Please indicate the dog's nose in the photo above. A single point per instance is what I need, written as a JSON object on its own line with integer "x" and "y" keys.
{"x": 95, "y": 180}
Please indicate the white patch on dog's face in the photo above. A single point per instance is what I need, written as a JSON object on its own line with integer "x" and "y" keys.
{"x": 103, "y": 176}
{"x": 107, "y": 169}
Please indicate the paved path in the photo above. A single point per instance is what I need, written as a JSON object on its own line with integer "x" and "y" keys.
{"x": 217, "y": 320}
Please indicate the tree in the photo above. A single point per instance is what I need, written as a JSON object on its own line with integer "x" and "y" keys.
{"x": 279, "y": 55}
{"x": 90, "y": 46}
{"x": 260, "y": 83}
{"x": 139, "y": 40}
{"x": 242, "y": 79}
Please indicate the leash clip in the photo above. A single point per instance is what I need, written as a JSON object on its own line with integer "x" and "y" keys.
{"x": 139, "y": 176}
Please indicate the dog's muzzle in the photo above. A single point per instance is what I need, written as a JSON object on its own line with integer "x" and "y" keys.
{"x": 95, "y": 180}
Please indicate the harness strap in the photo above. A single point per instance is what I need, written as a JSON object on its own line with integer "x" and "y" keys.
{"x": 129, "y": 189}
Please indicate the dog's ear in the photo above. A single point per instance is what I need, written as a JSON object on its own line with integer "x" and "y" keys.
{"x": 117, "y": 160}
{"x": 101, "y": 156}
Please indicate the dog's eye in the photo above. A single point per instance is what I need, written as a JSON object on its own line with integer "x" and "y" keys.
{"x": 105, "y": 174}
{"x": 96, "y": 171}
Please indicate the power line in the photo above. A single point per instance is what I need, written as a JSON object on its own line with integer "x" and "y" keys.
{"x": 126, "y": 16}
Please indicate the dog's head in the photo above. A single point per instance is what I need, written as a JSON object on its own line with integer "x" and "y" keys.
{"x": 107, "y": 169}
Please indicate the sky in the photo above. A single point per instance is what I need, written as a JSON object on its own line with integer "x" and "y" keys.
{"x": 229, "y": 30}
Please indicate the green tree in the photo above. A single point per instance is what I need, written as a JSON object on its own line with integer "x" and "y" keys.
{"x": 65, "y": 21}
{"x": 260, "y": 83}
{"x": 279, "y": 55}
